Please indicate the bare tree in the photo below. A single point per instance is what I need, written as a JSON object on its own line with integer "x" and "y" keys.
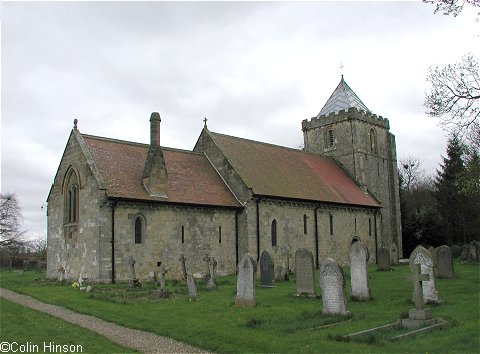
{"x": 454, "y": 97}
{"x": 453, "y": 7}
{"x": 411, "y": 171}
{"x": 10, "y": 221}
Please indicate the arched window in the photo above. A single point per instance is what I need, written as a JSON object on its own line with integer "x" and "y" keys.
{"x": 138, "y": 230}
{"x": 373, "y": 141}
{"x": 329, "y": 138}
{"x": 274, "y": 232}
{"x": 71, "y": 197}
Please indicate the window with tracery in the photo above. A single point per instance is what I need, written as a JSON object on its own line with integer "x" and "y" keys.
{"x": 71, "y": 198}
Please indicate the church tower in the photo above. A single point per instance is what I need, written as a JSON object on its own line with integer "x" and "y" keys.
{"x": 361, "y": 142}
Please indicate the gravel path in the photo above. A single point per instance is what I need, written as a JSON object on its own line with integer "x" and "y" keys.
{"x": 142, "y": 341}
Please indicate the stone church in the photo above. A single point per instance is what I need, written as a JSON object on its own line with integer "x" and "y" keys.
{"x": 114, "y": 199}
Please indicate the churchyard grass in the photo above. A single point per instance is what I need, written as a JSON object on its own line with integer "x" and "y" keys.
{"x": 32, "y": 330}
{"x": 281, "y": 322}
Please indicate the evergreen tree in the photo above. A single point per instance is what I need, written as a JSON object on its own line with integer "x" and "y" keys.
{"x": 451, "y": 200}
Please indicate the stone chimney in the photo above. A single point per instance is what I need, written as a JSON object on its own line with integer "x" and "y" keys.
{"x": 155, "y": 175}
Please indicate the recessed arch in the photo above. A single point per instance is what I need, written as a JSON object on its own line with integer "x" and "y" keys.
{"x": 139, "y": 227}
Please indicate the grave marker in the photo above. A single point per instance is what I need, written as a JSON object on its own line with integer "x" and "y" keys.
{"x": 182, "y": 260}
{"x": 134, "y": 282}
{"x": 266, "y": 270}
{"x": 423, "y": 257}
{"x": 246, "y": 281}
{"x": 444, "y": 262}
{"x": 383, "y": 259}
{"x": 304, "y": 272}
{"x": 192, "y": 288}
{"x": 332, "y": 283}
{"x": 359, "y": 271}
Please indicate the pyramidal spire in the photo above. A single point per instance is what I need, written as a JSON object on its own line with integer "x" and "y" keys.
{"x": 342, "y": 98}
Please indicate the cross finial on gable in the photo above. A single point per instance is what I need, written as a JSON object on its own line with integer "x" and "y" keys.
{"x": 205, "y": 122}
{"x": 75, "y": 122}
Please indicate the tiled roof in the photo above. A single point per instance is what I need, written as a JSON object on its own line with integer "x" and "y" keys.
{"x": 276, "y": 171}
{"x": 191, "y": 177}
{"x": 342, "y": 98}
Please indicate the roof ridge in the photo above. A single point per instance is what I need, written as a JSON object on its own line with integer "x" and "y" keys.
{"x": 120, "y": 141}
{"x": 274, "y": 145}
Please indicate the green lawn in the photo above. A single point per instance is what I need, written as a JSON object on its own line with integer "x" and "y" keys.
{"x": 281, "y": 322}
{"x": 30, "y": 329}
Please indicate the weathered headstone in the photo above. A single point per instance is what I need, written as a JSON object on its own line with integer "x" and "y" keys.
{"x": 359, "y": 271}
{"x": 61, "y": 274}
{"x": 417, "y": 315}
{"x": 332, "y": 283}
{"x": 162, "y": 291}
{"x": 304, "y": 272}
{"x": 423, "y": 257}
{"x": 266, "y": 270}
{"x": 192, "y": 288}
{"x": 152, "y": 277}
{"x": 456, "y": 251}
{"x": 431, "y": 249}
{"x": 393, "y": 254}
{"x": 383, "y": 259}
{"x": 444, "y": 262}
{"x": 279, "y": 273}
{"x": 247, "y": 269}
{"x": 134, "y": 282}
{"x": 210, "y": 277}
{"x": 182, "y": 260}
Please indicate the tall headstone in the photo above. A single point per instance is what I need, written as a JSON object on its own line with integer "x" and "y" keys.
{"x": 444, "y": 262}
{"x": 134, "y": 282}
{"x": 423, "y": 257}
{"x": 304, "y": 272}
{"x": 247, "y": 269}
{"x": 162, "y": 291}
{"x": 192, "y": 288}
{"x": 211, "y": 266}
{"x": 182, "y": 260}
{"x": 332, "y": 283}
{"x": 431, "y": 249}
{"x": 393, "y": 254}
{"x": 359, "y": 271}
{"x": 417, "y": 315}
{"x": 383, "y": 259}
{"x": 266, "y": 270}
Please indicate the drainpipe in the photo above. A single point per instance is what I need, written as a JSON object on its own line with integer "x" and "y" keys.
{"x": 375, "y": 230}
{"x": 114, "y": 204}
{"x": 236, "y": 238}
{"x": 258, "y": 228}
{"x": 316, "y": 237}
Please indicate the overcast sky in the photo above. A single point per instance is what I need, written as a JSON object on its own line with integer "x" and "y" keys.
{"x": 255, "y": 70}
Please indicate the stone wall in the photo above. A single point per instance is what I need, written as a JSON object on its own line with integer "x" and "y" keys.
{"x": 162, "y": 239}
{"x": 374, "y": 169}
{"x": 74, "y": 246}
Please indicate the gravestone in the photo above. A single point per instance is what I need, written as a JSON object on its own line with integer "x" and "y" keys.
{"x": 419, "y": 314}
{"x": 210, "y": 276}
{"x": 456, "y": 251}
{"x": 359, "y": 271}
{"x": 192, "y": 288}
{"x": 152, "y": 277}
{"x": 182, "y": 260}
{"x": 304, "y": 272}
{"x": 383, "y": 259}
{"x": 134, "y": 282}
{"x": 434, "y": 258}
{"x": 162, "y": 291}
{"x": 266, "y": 270}
{"x": 279, "y": 273}
{"x": 423, "y": 257}
{"x": 444, "y": 262}
{"x": 61, "y": 274}
{"x": 332, "y": 283}
{"x": 393, "y": 255}
{"x": 247, "y": 269}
